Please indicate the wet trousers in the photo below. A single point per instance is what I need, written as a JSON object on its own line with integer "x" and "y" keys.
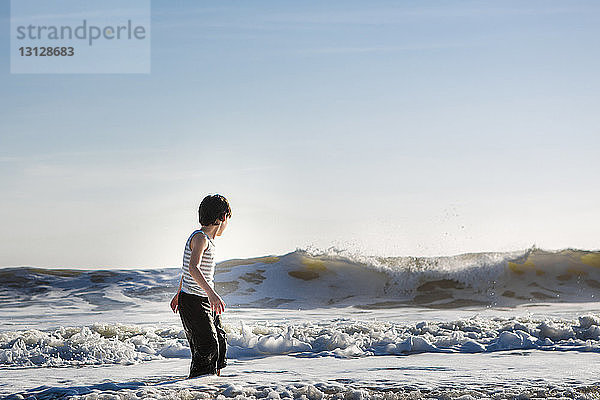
{"x": 205, "y": 335}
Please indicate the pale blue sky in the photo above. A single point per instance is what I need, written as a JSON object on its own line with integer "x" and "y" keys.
{"x": 389, "y": 128}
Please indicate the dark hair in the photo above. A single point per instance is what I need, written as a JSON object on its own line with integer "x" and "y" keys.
{"x": 213, "y": 208}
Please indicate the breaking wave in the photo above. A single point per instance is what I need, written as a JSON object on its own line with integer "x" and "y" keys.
{"x": 311, "y": 278}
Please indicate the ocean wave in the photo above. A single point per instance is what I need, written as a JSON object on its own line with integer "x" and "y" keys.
{"x": 317, "y": 278}
{"x": 341, "y": 338}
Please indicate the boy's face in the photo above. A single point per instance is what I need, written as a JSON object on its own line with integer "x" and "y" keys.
{"x": 222, "y": 226}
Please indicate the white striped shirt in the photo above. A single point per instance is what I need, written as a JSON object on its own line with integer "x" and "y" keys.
{"x": 206, "y": 266}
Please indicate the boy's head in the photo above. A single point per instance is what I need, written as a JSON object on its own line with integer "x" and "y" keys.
{"x": 213, "y": 210}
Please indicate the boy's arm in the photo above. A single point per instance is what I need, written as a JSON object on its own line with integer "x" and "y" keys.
{"x": 174, "y": 300}
{"x": 198, "y": 245}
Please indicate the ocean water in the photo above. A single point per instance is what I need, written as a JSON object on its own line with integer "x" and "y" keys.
{"x": 314, "y": 324}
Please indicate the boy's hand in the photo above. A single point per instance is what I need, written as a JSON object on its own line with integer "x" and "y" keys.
{"x": 216, "y": 303}
{"x": 175, "y": 302}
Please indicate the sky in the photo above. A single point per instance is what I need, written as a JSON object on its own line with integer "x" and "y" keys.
{"x": 391, "y": 128}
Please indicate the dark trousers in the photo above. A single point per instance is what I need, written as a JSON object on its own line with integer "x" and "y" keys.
{"x": 207, "y": 339}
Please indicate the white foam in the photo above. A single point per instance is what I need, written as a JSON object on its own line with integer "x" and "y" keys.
{"x": 341, "y": 338}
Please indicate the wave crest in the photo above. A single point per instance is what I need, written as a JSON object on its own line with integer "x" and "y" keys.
{"x": 322, "y": 278}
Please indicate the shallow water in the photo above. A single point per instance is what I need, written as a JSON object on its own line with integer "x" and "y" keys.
{"x": 501, "y": 375}
{"x": 111, "y": 334}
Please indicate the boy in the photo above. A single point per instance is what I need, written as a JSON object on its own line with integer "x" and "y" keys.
{"x": 199, "y": 306}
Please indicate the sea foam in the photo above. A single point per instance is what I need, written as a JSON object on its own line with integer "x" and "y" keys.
{"x": 340, "y": 338}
